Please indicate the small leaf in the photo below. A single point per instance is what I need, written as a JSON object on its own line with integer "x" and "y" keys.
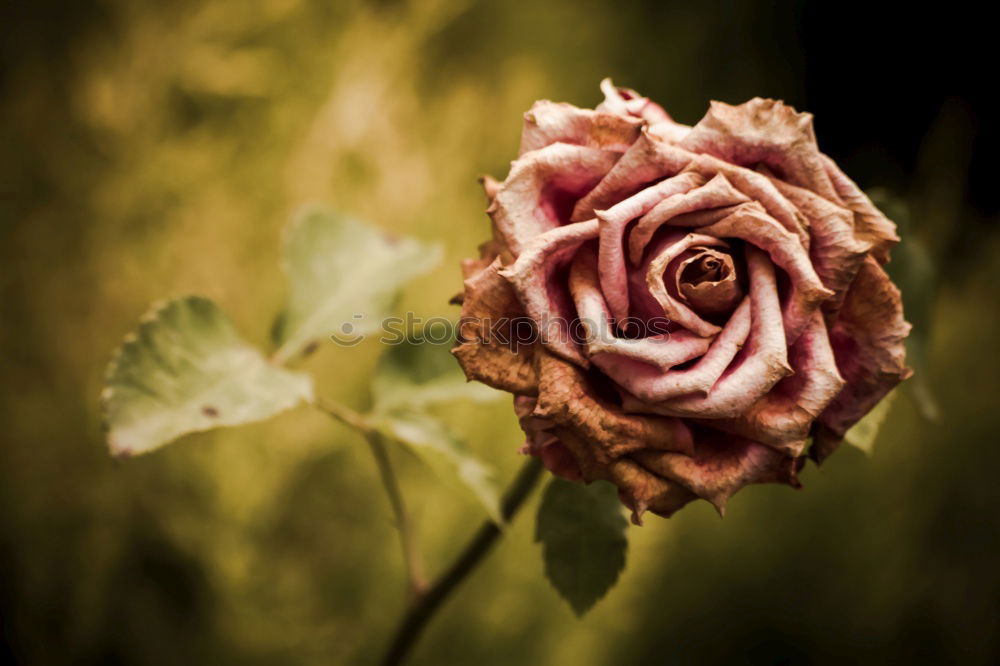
{"x": 411, "y": 376}
{"x": 444, "y": 452}
{"x": 417, "y": 373}
{"x": 582, "y": 532}
{"x": 343, "y": 279}
{"x": 864, "y": 433}
{"x": 186, "y": 369}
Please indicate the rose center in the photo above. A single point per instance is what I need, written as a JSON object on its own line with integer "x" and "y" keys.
{"x": 707, "y": 280}
{"x": 707, "y": 268}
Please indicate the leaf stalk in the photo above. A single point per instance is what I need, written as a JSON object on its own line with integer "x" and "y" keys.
{"x": 415, "y": 577}
{"x": 426, "y": 606}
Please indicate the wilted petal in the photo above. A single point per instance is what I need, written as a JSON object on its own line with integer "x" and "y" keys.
{"x": 648, "y": 159}
{"x": 835, "y": 251}
{"x": 557, "y": 458}
{"x": 702, "y": 218}
{"x": 542, "y": 443}
{"x": 488, "y": 253}
{"x": 652, "y": 385}
{"x": 490, "y": 187}
{"x": 489, "y": 348}
{"x": 550, "y": 122}
{"x": 750, "y": 223}
{"x": 611, "y": 261}
{"x": 867, "y": 340}
{"x": 764, "y": 361}
{"x": 524, "y": 408}
{"x": 627, "y": 102}
{"x": 669, "y": 131}
{"x": 471, "y": 267}
{"x": 764, "y": 131}
{"x": 570, "y": 398}
{"x": 782, "y": 419}
{"x": 716, "y": 193}
{"x": 639, "y": 489}
{"x": 542, "y": 188}
{"x": 489, "y": 250}
{"x": 870, "y": 225}
{"x": 596, "y": 433}
{"x": 606, "y": 350}
{"x": 756, "y": 186}
{"x": 548, "y": 303}
{"x": 721, "y": 465}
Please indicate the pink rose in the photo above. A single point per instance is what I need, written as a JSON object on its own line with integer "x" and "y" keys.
{"x": 681, "y": 310}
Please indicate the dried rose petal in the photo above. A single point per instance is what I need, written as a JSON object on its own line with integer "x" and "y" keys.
{"x": 680, "y": 310}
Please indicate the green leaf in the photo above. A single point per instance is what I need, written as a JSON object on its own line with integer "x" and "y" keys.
{"x": 186, "y": 369}
{"x": 864, "y": 433}
{"x": 443, "y": 452}
{"x": 582, "y": 532}
{"x": 418, "y": 373}
{"x": 343, "y": 279}
{"x": 410, "y": 377}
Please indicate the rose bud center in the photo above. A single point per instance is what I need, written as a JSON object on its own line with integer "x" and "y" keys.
{"x": 707, "y": 279}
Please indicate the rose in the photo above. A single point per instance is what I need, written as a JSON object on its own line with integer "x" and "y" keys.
{"x": 765, "y": 259}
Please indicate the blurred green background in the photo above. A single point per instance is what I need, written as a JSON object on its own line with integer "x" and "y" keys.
{"x": 158, "y": 148}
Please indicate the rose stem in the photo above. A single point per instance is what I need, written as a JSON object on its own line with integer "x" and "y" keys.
{"x": 416, "y": 580}
{"x": 425, "y": 606}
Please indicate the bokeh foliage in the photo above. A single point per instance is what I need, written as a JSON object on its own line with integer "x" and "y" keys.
{"x": 159, "y": 148}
